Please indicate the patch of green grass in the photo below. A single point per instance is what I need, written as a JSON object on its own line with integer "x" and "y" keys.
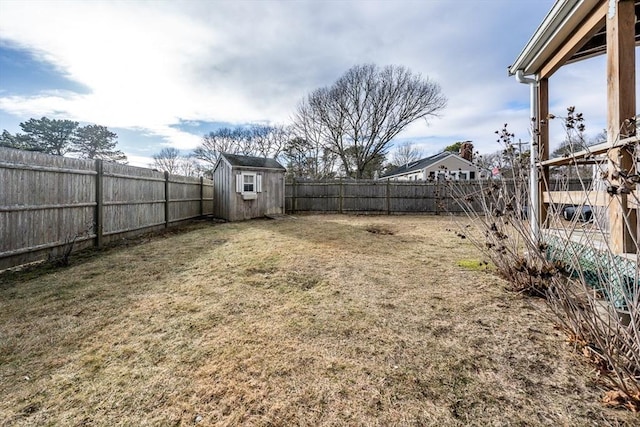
{"x": 474, "y": 265}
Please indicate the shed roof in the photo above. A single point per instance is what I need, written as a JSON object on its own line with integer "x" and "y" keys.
{"x": 564, "y": 28}
{"x": 420, "y": 164}
{"x": 252, "y": 162}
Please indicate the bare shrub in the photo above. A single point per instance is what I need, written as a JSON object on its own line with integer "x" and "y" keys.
{"x": 63, "y": 259}
{"x": 499, "y": 209}
{"x": 593, "y": 292}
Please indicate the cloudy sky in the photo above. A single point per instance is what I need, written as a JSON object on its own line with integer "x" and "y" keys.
{"x": 164, "y": 73}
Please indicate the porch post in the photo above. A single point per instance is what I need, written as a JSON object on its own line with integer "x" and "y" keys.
{"x": 621, "y": 97}
{"x": 542, "y": 120}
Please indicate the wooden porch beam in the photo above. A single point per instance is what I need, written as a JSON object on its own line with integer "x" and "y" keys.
{"x": 621, "y": 106}
{"x": 542, "y": 120}
{"x": 591, "y": 152}
{"x": 578, "y": 197}
{"x": 588, "y": 28}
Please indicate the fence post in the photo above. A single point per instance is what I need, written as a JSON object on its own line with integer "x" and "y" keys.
{"x": 166, "y": 199}
{"x": 446, "y": 192}
{"x": 293, "y": 195}
{"x": 437, "y": 196}
{"x": 388, "y": 197}
{"x": 341, "y": 196}
{"x": 201, "y": 196}
{"x": 99, "y": 213}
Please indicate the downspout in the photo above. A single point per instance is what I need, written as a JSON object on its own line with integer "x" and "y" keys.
{"x": 534, "y": 194}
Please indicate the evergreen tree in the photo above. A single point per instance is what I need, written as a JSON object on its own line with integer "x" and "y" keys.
{"x": 49, "y": 136}
{"x": 19, "y": 141}
{"x": 97, "y": 142}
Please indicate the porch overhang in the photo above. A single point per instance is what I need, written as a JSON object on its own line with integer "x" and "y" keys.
{"x": 573, "y": 30}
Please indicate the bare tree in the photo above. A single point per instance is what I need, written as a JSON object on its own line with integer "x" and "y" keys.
{"x": 306, "y": 159}
{"x": 490, "y": 160}
{"x": 269, "y": 141}
{"x": 188, "y": 166}
{"x": 575, "y": 140}
{"x": 255, "y": 140}
{"x": 404, "y": 154}
{"x": 359, "y": 115}
{"x": 167, "y": 160}
{"x": 311, "y": 141}
{"x": 221, "y": 141}
{"x": 296, "y": 154}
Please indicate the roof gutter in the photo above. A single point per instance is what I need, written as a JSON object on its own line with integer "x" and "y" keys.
{"x": 534, "y": 194}
{"x": 547, "y": 33}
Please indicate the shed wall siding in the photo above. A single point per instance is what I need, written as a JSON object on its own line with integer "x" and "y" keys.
{"x": 222, "y": 187}
{"x": 273, "y": 191}
{"x": 232, "y": 207}
{"x": 269, "y": 201}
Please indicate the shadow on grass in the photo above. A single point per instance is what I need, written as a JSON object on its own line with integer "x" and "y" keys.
{"x": 16, "y": 275}
{"x": 347, "y": 233}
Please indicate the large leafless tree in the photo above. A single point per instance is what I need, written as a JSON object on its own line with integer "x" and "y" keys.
{"x": 269, "y": 141}
{"x": 404, "y": 154}
{"x": 359, "y": 115}
{"x": 223, "y": 140}
{"x": 170, "y": 160}
{"x": 255, "y": 140}
{"x": 308, "y": 159}
{"x": 167, "y": 160}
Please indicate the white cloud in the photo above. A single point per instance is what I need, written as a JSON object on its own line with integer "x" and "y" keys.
{"x": 140, "y": 161}
{"x": 151, "y": 65}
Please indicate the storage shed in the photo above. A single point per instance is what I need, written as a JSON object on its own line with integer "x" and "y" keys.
{"x": 246, "y": 187}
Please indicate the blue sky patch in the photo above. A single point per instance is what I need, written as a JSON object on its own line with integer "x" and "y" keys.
{"x": 23, "y": 74}
{"x": 518, "y": 105}
{"x": 201, "y": 128}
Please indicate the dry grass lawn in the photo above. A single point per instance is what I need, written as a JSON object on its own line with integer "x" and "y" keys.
{"x": 318, "y": 320}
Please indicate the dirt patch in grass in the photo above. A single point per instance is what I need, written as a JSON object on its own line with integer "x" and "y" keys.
{"x": 380, "y": 229}
{"x": 309, "y": 321}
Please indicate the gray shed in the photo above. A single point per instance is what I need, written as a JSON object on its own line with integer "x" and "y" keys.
{"x": 246, "y": 187}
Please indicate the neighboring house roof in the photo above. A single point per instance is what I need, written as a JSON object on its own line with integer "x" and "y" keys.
{"x": 422, "y": 164}
{"x": 251, "y": 162}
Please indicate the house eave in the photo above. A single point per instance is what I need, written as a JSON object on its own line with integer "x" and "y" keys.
{"x": 430, "y": 165}
{"x": 236, "y": 167}
{"x": 220, "y": 160}
{"x": 562, "y": 19}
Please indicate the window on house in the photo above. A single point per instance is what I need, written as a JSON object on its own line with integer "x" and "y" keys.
{"x": 248, "y": 183}
{"x": 472, "y": 175}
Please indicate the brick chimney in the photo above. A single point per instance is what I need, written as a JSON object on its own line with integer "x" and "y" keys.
{"x": 466, "y": 151}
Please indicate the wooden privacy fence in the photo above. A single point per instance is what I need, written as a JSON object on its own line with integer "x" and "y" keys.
{"x": 397, "y": 197}
{"x": 377, "y": 197}
{"x": 47, "y": 202}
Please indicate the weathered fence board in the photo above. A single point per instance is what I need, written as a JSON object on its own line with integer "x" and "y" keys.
{"x": 383, "y": 197}
{"x": 393, "y": 197}
{"x": 48, "y": 201}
